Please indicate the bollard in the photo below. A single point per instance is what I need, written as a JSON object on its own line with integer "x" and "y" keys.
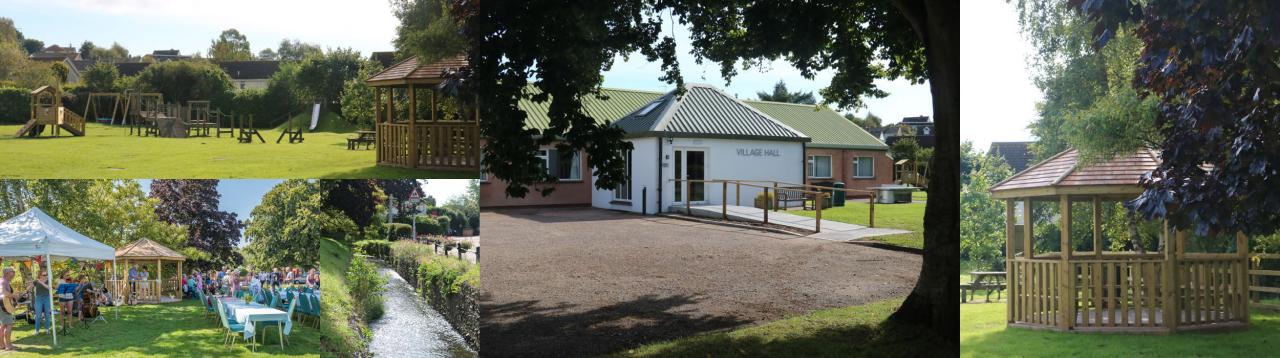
{"x": 871, "y": 220}
{"x": 767, "y": 203}
{"x": 724, "y": 200}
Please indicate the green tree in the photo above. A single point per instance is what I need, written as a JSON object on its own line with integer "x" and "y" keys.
{"x": 427, "y": 30}
{"x": 982, "y": 235}
{"x": 780, "y": 94}
{"x": 905, "y": 148}
{"x": 562, "y": 51}
{"x": 231, "y": 45}
{"x": 32, "y": 45}
{"x": 284, "y": 228}
{"x": 60, "y": 71}
{"x": 294, "y": 50}
{"x": 322, "y": 78}
{"x": 871, "y": 121}
{"x": 101, "y": 77}
{"x": 86, "y": 50}
{"x": 9, "y": 32}
{"x": 115, "y": 53}
{"x": 268, "y": 54}
{"x": 182, "y": 81}
{"x": 357, "y": 96}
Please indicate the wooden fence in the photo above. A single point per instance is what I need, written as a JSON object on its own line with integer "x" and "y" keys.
{"x": 1264, "y": 279}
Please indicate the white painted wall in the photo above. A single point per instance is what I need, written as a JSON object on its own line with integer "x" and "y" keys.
{"x": 775, "y": 160}
{"x": 250, "y": 84}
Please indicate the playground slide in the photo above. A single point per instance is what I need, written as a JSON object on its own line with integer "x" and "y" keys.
{"x": 315, "y": 116}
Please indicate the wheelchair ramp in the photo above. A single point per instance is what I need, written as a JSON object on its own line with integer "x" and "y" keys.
{"x": 831, "y": 230}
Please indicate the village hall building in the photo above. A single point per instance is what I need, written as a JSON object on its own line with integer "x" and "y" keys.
{"x": 704, "y": 134}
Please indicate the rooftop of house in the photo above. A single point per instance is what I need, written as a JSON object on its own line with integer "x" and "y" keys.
{"x": 249, "y": 70}
{"x": 1017, "y": 154}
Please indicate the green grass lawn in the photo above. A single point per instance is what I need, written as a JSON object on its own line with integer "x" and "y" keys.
{"x": 856, "y": 331}
{"x": 339, "y": 339}
{"x": 897, "y": 216}
{"x": 110, "y": 152}
{"x": 168, "y": 330}
{"x": 983, "y": 334}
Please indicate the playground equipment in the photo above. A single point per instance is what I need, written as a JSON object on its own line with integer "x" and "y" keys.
{"x": 93, "y": 107}
{"x": 143, "y": 109}
{"x": 198, "y": 120}
{"x": 247, "y": 131}
{"x": 47, "y": 110}
{"x": 293, "y": 129}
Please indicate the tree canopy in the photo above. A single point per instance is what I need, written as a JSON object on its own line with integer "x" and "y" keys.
{"x": 294, "y": 50}
{"x": 284, "y": 228}
{"x": 230, "y": 45}
{"x": 182, "y": 81}
{"x": 427, "y": 30}
{"x": 562, "y": 50}
{"x": 101, "y": 77}
{"x": 780, "y": 94}
{"x": 1211, "y": 67}
{"x": 322, "y": 77}
{"x": 194, "y": 205}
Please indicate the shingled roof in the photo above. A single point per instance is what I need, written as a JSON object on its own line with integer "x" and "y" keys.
{"x": 1063, "y": 174}
{"x": 147, "y": 249}
{"x": 705, "y": 112}
{"x": 410, "y": 71}
{"x": 1017, "y": 154}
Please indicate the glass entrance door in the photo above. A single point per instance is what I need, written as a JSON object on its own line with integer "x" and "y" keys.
{"x": 690, "y": 165}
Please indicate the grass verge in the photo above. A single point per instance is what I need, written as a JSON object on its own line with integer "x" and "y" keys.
{"x": 338, "y": 313}
{"x": 897, "y": 216}
{"x": 110, "y": 152}
{"x": 165, "y": 330}
{"x": 856, "y": 331}
{"x": 983, "y": 334}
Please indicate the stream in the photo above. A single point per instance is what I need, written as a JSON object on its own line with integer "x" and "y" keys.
{"x": 410, "y": 327}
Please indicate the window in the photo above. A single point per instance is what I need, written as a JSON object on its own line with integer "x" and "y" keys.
{"x": 623, "y": 191}
{"x": 484, "y": 171}
{"x": 560, "y": 168}
{"x": 819, "y": 166}
{"x": 863, "y": 167}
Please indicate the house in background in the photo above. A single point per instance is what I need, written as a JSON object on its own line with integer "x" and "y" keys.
{"x": 919, "y": 127}
{"x": 706, "y": 134}
{"x": 1017, "y": 154}
{"x": 168, "y": 55}
{"x": 250, "y": 74}
{"x": 56, "y": 53}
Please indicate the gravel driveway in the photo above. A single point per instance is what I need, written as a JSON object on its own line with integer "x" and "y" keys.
{"x": 584, "y": 281}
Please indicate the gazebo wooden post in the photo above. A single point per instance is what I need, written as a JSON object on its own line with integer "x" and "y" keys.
{"x": 413, "y": 132}
{"x": 377, "y": 122}
{"x": 1097, "y": 227}
{"x": 1242, "y": 284}
{"x": 1028, "y": 253}
{"x": 1066, "y": 303}
{"x": 1009, "y": 233}
{"x": 159, "y": 280}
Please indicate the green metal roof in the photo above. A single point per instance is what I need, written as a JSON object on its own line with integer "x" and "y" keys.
{"x": 706, "y": 112}
{"x": 620, "y": 103}
{"x": 827, "y": 128}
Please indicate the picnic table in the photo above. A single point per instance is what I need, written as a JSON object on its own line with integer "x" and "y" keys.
{"x": 983, "y": 280}
{"x": 362, "y": 137}
{"x": 252, "y": 313}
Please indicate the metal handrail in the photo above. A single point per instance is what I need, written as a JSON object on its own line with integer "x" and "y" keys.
{"x": 818, "y": 197}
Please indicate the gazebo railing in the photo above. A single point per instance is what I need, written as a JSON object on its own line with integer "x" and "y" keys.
{"x": 1118, "y": 293}
{"x": 1213, "y": 290}
{"x": 439, "y": 145}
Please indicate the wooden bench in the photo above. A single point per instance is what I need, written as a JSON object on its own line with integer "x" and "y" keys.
{"x": 367, "y": 138}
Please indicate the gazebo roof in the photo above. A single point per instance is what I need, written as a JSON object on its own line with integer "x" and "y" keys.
{"x": 145, "y": 249}
{"x": 409, "y": 71}
{"x": 1063, "y": 174}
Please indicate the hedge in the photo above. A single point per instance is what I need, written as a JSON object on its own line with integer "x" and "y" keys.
{"x": 400, "y": 230}
{"x": 375, "y": 248}
{"x": 15, "y": 105}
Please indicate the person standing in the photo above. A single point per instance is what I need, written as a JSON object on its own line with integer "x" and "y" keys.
{"x": 41, "y": 301}
{"x": 132, "y": 297}
{"x": 6, "y": 317}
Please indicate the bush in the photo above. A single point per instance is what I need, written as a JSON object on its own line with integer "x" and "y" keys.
{"x": 366, "y": 287}
{"x": 15, "y": 105}
{"x": 182, "y": 81}
{"x": 762, "y": 201}
{"x": 449, "y": 274}
{"x": 428, "y": 225}
{"x": 375, "y": 248}
{"x": 399, "y": 230}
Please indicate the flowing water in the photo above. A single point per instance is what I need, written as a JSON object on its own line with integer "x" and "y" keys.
{"x": 410, "y": 327}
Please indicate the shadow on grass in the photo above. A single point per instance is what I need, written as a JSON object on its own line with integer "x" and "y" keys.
{"x": 885, "y": 339}
{"x": 529, "y": 328}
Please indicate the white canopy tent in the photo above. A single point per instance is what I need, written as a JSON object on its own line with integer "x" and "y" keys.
{"x": 35, "y": 234}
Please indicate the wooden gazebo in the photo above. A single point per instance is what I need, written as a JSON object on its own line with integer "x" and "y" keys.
{"x": 1128, "y": 291}
{"x": 145, "y": 251}
{"x": 444, "y": 138}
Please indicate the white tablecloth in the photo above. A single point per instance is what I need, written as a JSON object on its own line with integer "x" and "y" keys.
{"x": 246, "y": 314}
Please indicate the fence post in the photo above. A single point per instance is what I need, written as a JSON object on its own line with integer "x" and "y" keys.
{"x": 767, "y": 203}
{"x": 871, "y": 220}
{"x": 688, "y": 197}
{"x": 817, "y": 204}
{"x": 737, "y": 185}
{"x": 725, "y": 201}
{"x": 775, "y": 196}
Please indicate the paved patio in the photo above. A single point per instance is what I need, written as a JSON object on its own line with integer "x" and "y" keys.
{"x": 831, "y": 230}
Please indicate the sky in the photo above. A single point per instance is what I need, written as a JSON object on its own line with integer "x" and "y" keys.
{"x": 366, "y": 26}
{"x": 998, "y": 98}
{"x": 240, "y": 196}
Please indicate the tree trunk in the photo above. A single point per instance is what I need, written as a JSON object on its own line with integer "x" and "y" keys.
{"x": 932, "y": 303}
